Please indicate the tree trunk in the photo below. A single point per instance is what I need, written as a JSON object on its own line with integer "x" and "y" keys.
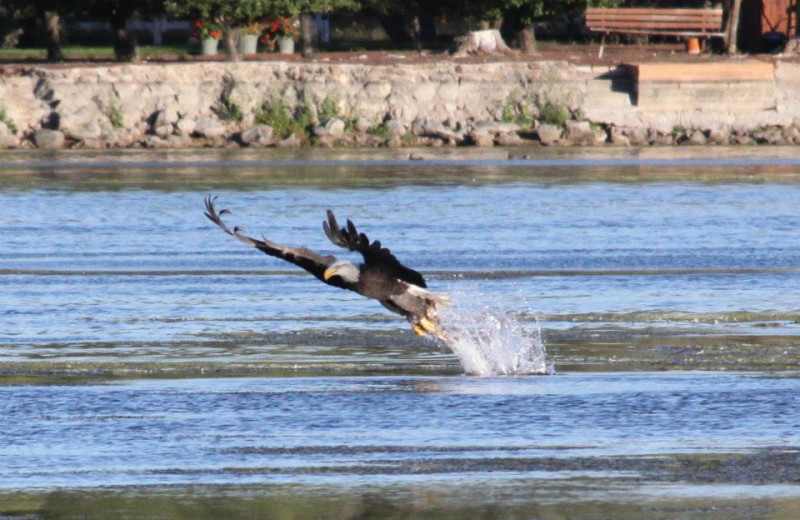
{"x": 485, "y": 41}
{"x": 308, "y": 34}
{"x": 732, "y": 31}
{"x": 231, "y": 48}
{"x": 417, "y": 30}
{"x": 125, "y": 48}
{"x": 527, "y": 40}
{"x": 54, "y": 34}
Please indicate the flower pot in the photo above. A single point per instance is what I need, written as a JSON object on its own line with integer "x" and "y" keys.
{"x": 248, "y": 43}
{"x": 209, "y": 46}
{"x": 285, "y": 45}
{"x": 693, "y": 46}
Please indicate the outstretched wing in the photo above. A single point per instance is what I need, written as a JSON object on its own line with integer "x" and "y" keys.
{"x": 312, "y": 262}
{"x": 374, "y": 255}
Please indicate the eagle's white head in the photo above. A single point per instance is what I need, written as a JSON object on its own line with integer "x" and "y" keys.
{"x": 345, "y": 270}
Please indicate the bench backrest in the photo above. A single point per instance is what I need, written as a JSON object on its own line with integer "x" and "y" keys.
{"x": 654, "y": 20}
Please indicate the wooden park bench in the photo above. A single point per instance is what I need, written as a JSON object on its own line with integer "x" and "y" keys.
{"x": 689, "y": 23}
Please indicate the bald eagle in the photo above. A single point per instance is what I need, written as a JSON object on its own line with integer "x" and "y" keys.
{"x": 380, "y": 277}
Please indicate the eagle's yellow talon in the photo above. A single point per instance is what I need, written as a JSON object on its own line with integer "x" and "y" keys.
{"x": 419, "y": 330}
{"x": 427, "y": 325}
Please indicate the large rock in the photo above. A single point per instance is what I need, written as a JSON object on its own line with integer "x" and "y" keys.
{"x": 696, "y": 137}
{"x": 482, "y": 138}
{"x": 362, "y": 125}
{"x": 76, "y": 124}
{"x": 86, "y": 132}
{"x": 333, "y": 129}
{"x": 290, "y": 142}
{"x": 395, "y": 129}
{"x": 48, "y": 139}
{"x": 511, "y": 139}
{"x": 433, "y": 128}
{"x": 259, "y": 135}
{"x": 209, "y": 127}
{"x": 548, "y": 134}
{"x": 185, "y": 126}
{"x": 619, "y": 137}
{"x": 163, "y": 130}
{"x": 165, "y": 116}
{"x": 496, "y": 127}
{"x": 580, "y": 133}
{"x": 153, "y": 141}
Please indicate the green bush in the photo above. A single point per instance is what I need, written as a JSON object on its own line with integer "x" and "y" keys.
{"x": 5, "y": 119}
{"x": 518, "y": 111}
{"x": 329, "y": 108}
{"x": 283, "y": 120}
{"x": 381, "y": 130}
{"x": 553, "y": 113}
{"x": 115, "y": 117}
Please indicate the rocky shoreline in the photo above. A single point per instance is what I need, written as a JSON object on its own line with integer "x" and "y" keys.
{"x": 290, "y": 104}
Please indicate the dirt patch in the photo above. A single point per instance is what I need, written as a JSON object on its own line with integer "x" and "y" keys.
{"x": 574, "y": 53}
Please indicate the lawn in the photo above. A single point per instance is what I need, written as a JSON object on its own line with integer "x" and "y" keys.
{"x": 97, "y": 52}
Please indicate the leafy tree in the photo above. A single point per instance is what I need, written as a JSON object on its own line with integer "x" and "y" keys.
{"x": 516, "y": 17}
{"x": 412, "y": 20}
{"x": 119, "y": 12}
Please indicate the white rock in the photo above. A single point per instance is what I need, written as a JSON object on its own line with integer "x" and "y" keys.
{"x": 165, "y": 116}
{"x": 496, "y": 127}
{"x": 362, "y": 125}
{"x": 209, "y": 127}
{"x": 395, "y": 129}
{"x": 48, "y": 139}
{"x": 548, "y": 134}
{"x": 164, "y": 130}
{"x": 86, "y": 132}
{"x": 335, "y": 128}
{"x": 185, "y": 126}
{"x": 259, "y": 135}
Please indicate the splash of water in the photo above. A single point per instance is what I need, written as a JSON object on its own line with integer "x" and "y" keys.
{"x": 489, "y": 342}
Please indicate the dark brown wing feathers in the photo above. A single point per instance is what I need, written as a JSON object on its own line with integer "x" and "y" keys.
{"x": 312, "y": 262}
{"x": 374, "y": 255}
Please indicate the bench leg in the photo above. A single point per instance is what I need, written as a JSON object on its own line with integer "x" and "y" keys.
{"x": 602, "y": 45}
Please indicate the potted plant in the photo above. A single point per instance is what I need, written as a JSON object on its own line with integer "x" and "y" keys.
{"x": 248, "y": 41}
{"x": 283, "y": 31}
{"x": 209, "y": 35}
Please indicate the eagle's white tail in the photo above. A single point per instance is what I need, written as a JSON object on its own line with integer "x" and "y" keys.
{"x": 439, "y": 298}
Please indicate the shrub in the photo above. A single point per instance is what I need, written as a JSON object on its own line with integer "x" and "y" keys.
{"x": 329, "y": 108}
{"x": 115, "y": 117}
{"x": 553, "y": 113}
{"x": 5, "y": 119}
{"x": 283, "y": 120}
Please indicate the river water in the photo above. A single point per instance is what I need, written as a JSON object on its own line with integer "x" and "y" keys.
{"x": 151, "y": 364}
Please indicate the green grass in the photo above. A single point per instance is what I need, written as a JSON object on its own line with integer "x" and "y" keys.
{"x": 4, "y": 118}
{"x": 115, "y": 117}
{"x": 285, "y": 122}
{"x": 91, "y": 52}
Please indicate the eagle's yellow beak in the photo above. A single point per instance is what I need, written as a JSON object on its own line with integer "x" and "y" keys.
{"x": 331, "y": 271}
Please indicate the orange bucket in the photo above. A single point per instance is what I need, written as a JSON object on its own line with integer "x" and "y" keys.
{"x": 693, "y": 46}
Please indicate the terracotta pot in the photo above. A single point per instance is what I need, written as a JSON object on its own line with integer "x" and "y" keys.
{"x": 693, "y": 46}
